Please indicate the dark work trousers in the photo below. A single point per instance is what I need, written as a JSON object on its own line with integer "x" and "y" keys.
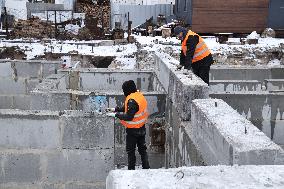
{"x": 136, "y": 137}
{"x": 201, "y": 71}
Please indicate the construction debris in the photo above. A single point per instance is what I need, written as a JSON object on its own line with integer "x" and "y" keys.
{"x": 33, "y": 28}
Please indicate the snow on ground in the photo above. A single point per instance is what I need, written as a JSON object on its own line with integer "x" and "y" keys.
{"x": 209, "y": 177}
{"x": 32, "y": 50}
{"x": 125, "y": 54}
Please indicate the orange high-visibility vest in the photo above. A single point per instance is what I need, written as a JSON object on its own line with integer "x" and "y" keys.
{"x": 141, "y": 116}
{"x": 201, "y": 49}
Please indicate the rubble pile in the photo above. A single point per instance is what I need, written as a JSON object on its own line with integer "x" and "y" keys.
{"x": 33, "y": 28}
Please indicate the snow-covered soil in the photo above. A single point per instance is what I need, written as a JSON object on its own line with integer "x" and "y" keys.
{"x": 268, "y": 51}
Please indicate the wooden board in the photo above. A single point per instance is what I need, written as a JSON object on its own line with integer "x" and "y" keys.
{"x": 229, "y": 16}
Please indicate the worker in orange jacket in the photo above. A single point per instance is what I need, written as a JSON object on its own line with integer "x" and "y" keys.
{"x": 195, "y": 55}
{"x": 133, "y": 116}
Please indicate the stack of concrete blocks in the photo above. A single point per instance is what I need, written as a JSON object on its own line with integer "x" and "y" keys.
{"x": 44, "y": 149}
{"x": 18, "y": 78}
{"x": 225, "y": 137}
{"x": 182, "y": 88}
{"x": 74, "y": 90}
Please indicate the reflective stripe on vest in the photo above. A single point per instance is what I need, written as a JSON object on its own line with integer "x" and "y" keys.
{"x": 141, "y": 116}
{"x": 201, "y": 49}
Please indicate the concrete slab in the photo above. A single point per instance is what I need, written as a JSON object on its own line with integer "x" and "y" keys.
{"x": 225, "y": 137}
{"x": 255, "y": 177}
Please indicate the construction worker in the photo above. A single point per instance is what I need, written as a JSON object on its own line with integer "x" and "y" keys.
{"x": 133, "y": 116}
{"x": 195, "y": 55}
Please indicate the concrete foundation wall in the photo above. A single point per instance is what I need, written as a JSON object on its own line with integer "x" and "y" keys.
{"x": 264, "y": 110}
{"x": 43, "y": 149}
{"x": 182, "y": 89}
{"x": 19, "y": 78}
{"x": 225, "y": 137}
{"x": 245, "y": 72}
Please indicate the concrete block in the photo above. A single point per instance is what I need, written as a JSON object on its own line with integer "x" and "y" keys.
{"x": 99, "y": 185}
{"x": 274, "y": 84}
{"x": 224, "y": 72}
{"x": 79, "y": 165}
{"x": 50, "y": 101}
{"x": 31, "y": 131}
{"x": 50, "y": 68}
{"x": 22, "y": 102}
{"x": 31, "y": 84}
{"x": 226, "y": 177}
{"x": 114, "y": 81}
{"x": 11, "y": 86}
{"x": 226, "y": 137}
{"x": 20, "y": 168}
{"x": 6, "y": 102}
{"x": 106, "y": 43}
{"x": 28, "y": 70}
{"x": 6, "y": 70}
{"x": 277, "y": 72}
{"x": 80, "y": 132}
{"x": 234, "y": 85}
{"x": 184, "y": 89}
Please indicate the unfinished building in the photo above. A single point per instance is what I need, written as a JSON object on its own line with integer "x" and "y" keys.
{"x": 54, "y": 133}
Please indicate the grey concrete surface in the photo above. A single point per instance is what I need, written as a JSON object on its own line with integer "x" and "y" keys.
{"x": 260, "y": 73}
{"x": 234, "y": 85}
{"x": 225, "y": 137}
{"x": 274, "y": 84}
{"x": 264, "y": 110}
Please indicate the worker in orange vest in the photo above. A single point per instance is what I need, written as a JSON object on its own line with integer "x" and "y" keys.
{"x": 133, "y": 116}
{"x": 195, "y": 55}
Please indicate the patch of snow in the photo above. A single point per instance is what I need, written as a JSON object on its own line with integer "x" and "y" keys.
{"x": 205, "y": 177}
{"x": 253, "y": 35}
{"x": 274, "y": 62}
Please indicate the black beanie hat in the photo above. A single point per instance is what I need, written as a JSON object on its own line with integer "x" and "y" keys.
{"x": 129, "y": 87}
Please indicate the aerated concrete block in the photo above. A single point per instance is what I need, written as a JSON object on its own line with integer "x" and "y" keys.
{"x": 83, "y": 132}
{"x": 19, "y": 168}
{"x": 6, "y": 102}
{"x": 30, "y": 131}
{"x": 225, "y": 137}
{"x": 79, "y": 165}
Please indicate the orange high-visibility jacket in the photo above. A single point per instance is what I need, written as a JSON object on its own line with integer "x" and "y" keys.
{"x": 201, "y": 49}
{"x": 141, "y": 116}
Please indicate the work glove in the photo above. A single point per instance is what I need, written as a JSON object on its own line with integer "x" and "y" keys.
{"x": 110, "y": 114}
{"x": 110, "y": 109}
